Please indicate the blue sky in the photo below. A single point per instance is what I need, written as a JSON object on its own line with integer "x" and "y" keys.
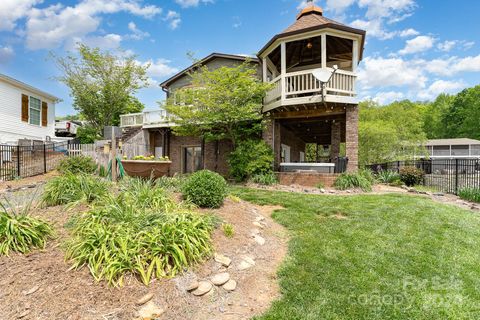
{"x": 415, "y": 49}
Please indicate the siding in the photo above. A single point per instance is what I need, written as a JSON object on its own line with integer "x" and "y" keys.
{"x": 11, "y": 126}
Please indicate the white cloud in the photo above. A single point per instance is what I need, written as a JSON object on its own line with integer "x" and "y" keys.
{"x": 408, "y": 33}
{"x": 6, "y": 53}
{"x": 390, "y": 72}
{"x": 387, "y": 97}
{"x": 12, "y": 10}
{"x": 50, "y": 27}
{"x": 109, "y": 41}
{"x": 191, "y": 3}
{"x": 374, "y": 28}
{"x": 173, "y": 18}
{"x": 339, "y": 6}
{"x": 418, "y": 44}
{"x": 158, "y": 69}
{"x": 137, "y": 34}
{"x": 447, "y": 45}
{"x": 453, "y": 65}
{"x": 441, "y": 86}
{"x": 393, "y": 9}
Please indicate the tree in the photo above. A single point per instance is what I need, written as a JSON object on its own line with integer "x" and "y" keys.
{"x": 462, "y": 119}
{"x": 435, "y": 122}
{"x": 225, "y": 103}
{"x": 102, "y": 85}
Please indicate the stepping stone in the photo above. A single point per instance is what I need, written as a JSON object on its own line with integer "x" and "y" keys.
{"x": 246, "y": 263}
{"x": 259, "y": 219}
{"x": 150, "y": 311}
{"x": 258, "y": 224}
{"x": 31, "y": 291}
{"x": 259, "y": 239}
{"x": 192, "y": 285}
{"x": 230, "y": 285}
{"x": 220, "y": 278}
{"x": 203, "y": 288}
{"x": 224, "y": 260}
{"x": 144, "y": 299}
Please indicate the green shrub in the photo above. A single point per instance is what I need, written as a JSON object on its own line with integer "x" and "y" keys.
{"x": 411, "y": 176}
{"x": 320, "y": 185}
{"x": 353, "y": 180}
{"x": 102, "y": 171}
{"x": 19, "y": 232}
{"x": 470, "y": 194}
{"x": 87, "y": 134}
{"x": 146, "y": 194}
{"x": 206, "y": 189}
{"x": 368, "y": 174}
{"x": 173, "y": 184}
{"x": 228, "y": 230}
{"x": 120, "y": 238}
{"x": 266, "y": 179}
{"x": 74, "y": 188}
{"x": 250, "y": 158}
{"x": 78, "y": 164}
{"x": 388, "y": 176}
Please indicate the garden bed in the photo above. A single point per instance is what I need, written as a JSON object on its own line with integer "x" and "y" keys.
{"x": 146, "y": 168}
{"x": 41, "y": 286}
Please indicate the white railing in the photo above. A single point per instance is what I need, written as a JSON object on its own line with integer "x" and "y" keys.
{"x": 145, "y": 118}
{"x": 131, "y": 120}
{"x": 303, "y": 84}
{"x": 276, "y": 92}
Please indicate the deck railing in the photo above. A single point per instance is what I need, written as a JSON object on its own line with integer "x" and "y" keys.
{"x": 145, "y": 118}
{"x": 303, "y": 84}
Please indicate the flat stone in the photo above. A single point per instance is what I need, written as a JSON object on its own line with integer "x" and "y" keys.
{"x": 150, "y": 311}
{"x": 144, "y": 299}
{"x": 224, "y": 260}
{"x": 246, "y": 263}
{"x": 259, "y": 218}
{"x": 439, "y": 194}
{"x": 23, "y": 314}
{"x": 322, "y": 190}
{"x": 230, "y": 285}
{"x": 192, "y": 285}
{"x": 259, "y": 239}
{"x": 254, "y": 231}
{"x": 220, "y": 278}
{"x": 31, "y": 291}
{"x": 258, "y": 224}
{"x": 203, "y": 288}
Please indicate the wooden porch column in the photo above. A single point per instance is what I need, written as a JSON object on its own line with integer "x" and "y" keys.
{"x": 283, "y": 54}
{"x": 324, "y": 50}
{"x": 335, "y": 141}
{"x": 351, "y": 137}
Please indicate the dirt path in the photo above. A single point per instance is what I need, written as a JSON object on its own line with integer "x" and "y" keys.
{"x": 40, "y": 286}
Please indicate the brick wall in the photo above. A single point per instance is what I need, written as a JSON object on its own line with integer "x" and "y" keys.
{"x": 273, "y": 129}
{"x": 215, "y": 154}
{"x": 351, "y": 138}
{"x": 307, "y": 179}
{"x": 336, "y": 140}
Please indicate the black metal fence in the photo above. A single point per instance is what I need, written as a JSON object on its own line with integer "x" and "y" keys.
{"x": 446, "y": 175}
{"x": 21, "y": 161}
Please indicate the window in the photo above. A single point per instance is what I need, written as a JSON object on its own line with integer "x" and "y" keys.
{"x": 192, "y": 159}
{"x": 35, "y": 110}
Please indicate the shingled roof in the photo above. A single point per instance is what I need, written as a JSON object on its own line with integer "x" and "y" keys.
{"x": 309, "y": 19}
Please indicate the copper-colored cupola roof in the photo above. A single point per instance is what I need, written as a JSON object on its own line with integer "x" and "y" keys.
{"x": 310, "y": 19}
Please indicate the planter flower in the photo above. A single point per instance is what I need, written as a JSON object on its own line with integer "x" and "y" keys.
{"x": 146, "y": 166}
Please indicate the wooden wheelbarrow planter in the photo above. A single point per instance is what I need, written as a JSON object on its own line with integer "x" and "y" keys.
{"x": 146, "y": 168}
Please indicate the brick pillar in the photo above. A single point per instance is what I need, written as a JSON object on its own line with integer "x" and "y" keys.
{"x": 335, "y": 140}
{"x": 351, "y": 137}
{"x": 271, "y": 135}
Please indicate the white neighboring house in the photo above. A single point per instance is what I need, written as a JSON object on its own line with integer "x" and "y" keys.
{"x": 25, "y": 112}
{"x": 458, "y": 148}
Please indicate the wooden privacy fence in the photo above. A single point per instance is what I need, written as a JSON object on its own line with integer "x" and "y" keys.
{"x": 446, "y": 175}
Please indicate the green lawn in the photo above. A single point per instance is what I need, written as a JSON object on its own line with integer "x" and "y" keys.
{"x": 375, "y": 257}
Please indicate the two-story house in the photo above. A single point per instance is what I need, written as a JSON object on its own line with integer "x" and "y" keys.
{"x": 25, "y": 112}
{"x": 312, "y": 66}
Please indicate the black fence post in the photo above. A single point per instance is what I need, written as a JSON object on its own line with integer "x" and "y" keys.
{"x": 18, "y": 161}
{"x": 44, "y": 158}
{"x": 456, "y": 176}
